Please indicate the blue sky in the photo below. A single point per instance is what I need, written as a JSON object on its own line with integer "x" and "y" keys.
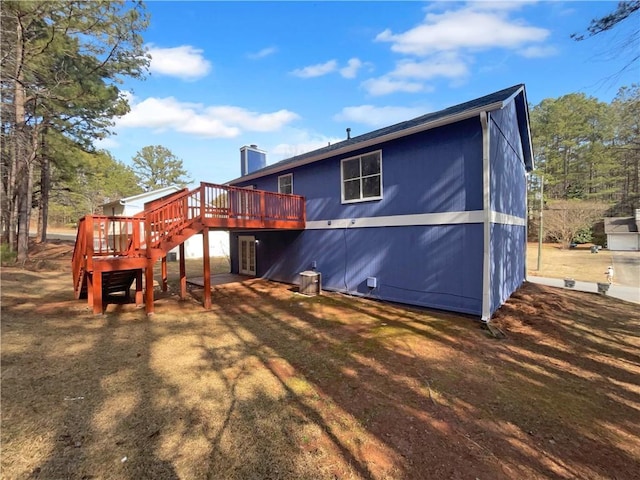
{"x": 292, "y": 76}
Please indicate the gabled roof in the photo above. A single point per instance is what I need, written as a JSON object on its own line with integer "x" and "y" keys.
{"x": 143, "y": 197}
{"x": 620, "y": 225}
{"x": 447, "y": 116}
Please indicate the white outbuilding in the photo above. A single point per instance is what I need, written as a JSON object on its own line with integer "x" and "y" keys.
{"x": 129, "y": 206}
{"x": 623, "y": 233}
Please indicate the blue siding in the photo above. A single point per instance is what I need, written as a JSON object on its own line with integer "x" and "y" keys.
{"x": 434, "y": 266}
{"x": 508, "y": 195}
{"x": 508, "y": 174}
{"x": 439, "y": 266}
{"x": 439, "y": 170}
{"x": 507, "y": 262}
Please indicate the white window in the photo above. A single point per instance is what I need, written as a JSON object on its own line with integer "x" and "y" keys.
{"x": 362, "y": 178}
{"x": 285, "y": 183}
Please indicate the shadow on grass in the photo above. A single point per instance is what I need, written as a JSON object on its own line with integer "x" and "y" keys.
{"x": 270, "y": 384}
{"x": 582, "y": 404}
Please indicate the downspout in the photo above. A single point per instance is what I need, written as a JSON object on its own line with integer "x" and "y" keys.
{"x": 486, "y": 210}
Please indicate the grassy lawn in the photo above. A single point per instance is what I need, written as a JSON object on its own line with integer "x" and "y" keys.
{"x": 577, "y": 263}
{"x": 269, "y": 384}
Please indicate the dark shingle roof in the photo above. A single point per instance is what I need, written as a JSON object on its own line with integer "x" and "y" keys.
{"x": 620, "y": 225}
{"x": 478, "y": 103}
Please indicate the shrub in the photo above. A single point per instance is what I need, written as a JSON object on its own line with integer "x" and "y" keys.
{"x": 583, "y": 236}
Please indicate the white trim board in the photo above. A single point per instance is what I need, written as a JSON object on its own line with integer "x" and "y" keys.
{"x": 486, "y": 210}
{"x": 443, "y": 218}
{"x": 506, "y": 219}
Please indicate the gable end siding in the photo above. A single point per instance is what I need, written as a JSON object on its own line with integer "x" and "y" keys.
{"x": 508, "y": 197}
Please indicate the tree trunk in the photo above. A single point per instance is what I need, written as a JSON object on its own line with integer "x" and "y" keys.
{"x": 45, "y": 188}
{"x": 565, "y": 184}
{"x": 5, "y": 205}
{"x": 20, "y": 223}
{"x": 635, "y": 178}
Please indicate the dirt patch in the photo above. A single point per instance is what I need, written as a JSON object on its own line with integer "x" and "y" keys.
{"x": 272, "y": 384}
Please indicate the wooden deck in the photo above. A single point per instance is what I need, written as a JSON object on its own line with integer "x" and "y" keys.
{"x": 106, "y": 245}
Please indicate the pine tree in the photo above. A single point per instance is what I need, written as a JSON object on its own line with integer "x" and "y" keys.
{"x": 157, "y": 167}
{"x": 61, "y": 63}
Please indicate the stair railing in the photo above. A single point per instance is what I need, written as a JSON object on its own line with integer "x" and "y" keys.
{"x": 169, "y": 217}
{"x": 79, "y": 258}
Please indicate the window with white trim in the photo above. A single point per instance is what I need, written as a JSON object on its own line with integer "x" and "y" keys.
{"x": 362, "y": 177}
{"x": 285, "y": 183}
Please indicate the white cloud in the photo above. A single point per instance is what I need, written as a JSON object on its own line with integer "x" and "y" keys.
{"x": 378, "y": 116}
{"x": 409, "y": 75}
{"x": 351, "y": 70}
{"x": 265, "y": 52}
{"x": 185, "y": 62}
{"x": 448, "y": 40}
{"x": 317, "y": 70}
{"x": 445, "y": 65}
{"x": 499, "y": 4}
{"x": 252, "y": 121}
{"x": 162, "y": 114}
{"x": 385, "y": 85}
{"x": 467, "y": 28}
{"x": 538, "y": 51}
{"x": 301, "y": 141}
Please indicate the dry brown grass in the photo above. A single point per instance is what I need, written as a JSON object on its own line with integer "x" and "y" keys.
{"x": 577, "y": 263}
{"x": 269, "y": 384}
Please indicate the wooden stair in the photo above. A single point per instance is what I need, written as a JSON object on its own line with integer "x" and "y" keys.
{"x": 112, "y": 253}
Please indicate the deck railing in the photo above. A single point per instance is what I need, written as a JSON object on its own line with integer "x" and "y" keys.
{"x": 223, "y": 201}
{"x": 211, "y": 205}
{"x": 109, "y": 236}
{"x": 106, "y": 236}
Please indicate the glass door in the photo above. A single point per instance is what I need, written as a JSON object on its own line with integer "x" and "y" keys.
{"x": 247, "y": 255}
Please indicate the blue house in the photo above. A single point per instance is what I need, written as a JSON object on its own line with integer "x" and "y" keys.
{"x": 428, "y": 212}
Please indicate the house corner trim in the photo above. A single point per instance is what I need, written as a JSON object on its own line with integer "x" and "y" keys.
{"x": 486, "y": 210}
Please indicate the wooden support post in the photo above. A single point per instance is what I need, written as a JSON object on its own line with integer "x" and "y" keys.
{"x": 90, "y": 289}
{"x": 98, "y": 307}
{"x": 183, "y": 274}
{"x": 139, "y": 300}
{"x": 203, "y": 203}
{"x": 148, "y": 287}
{"x": 148, "y": 271}
{"x": 164, "y": 273}
{"x": 207, "y": 269}
{"x": 127, "y": 294}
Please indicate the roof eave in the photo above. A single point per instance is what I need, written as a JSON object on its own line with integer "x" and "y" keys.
{"x": 528, "y": 141}
{"x": 127, "y": 200}
{"x": 374, "y": 141}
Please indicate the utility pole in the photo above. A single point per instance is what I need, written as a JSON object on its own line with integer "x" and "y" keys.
{"x": 540, "y": 228}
